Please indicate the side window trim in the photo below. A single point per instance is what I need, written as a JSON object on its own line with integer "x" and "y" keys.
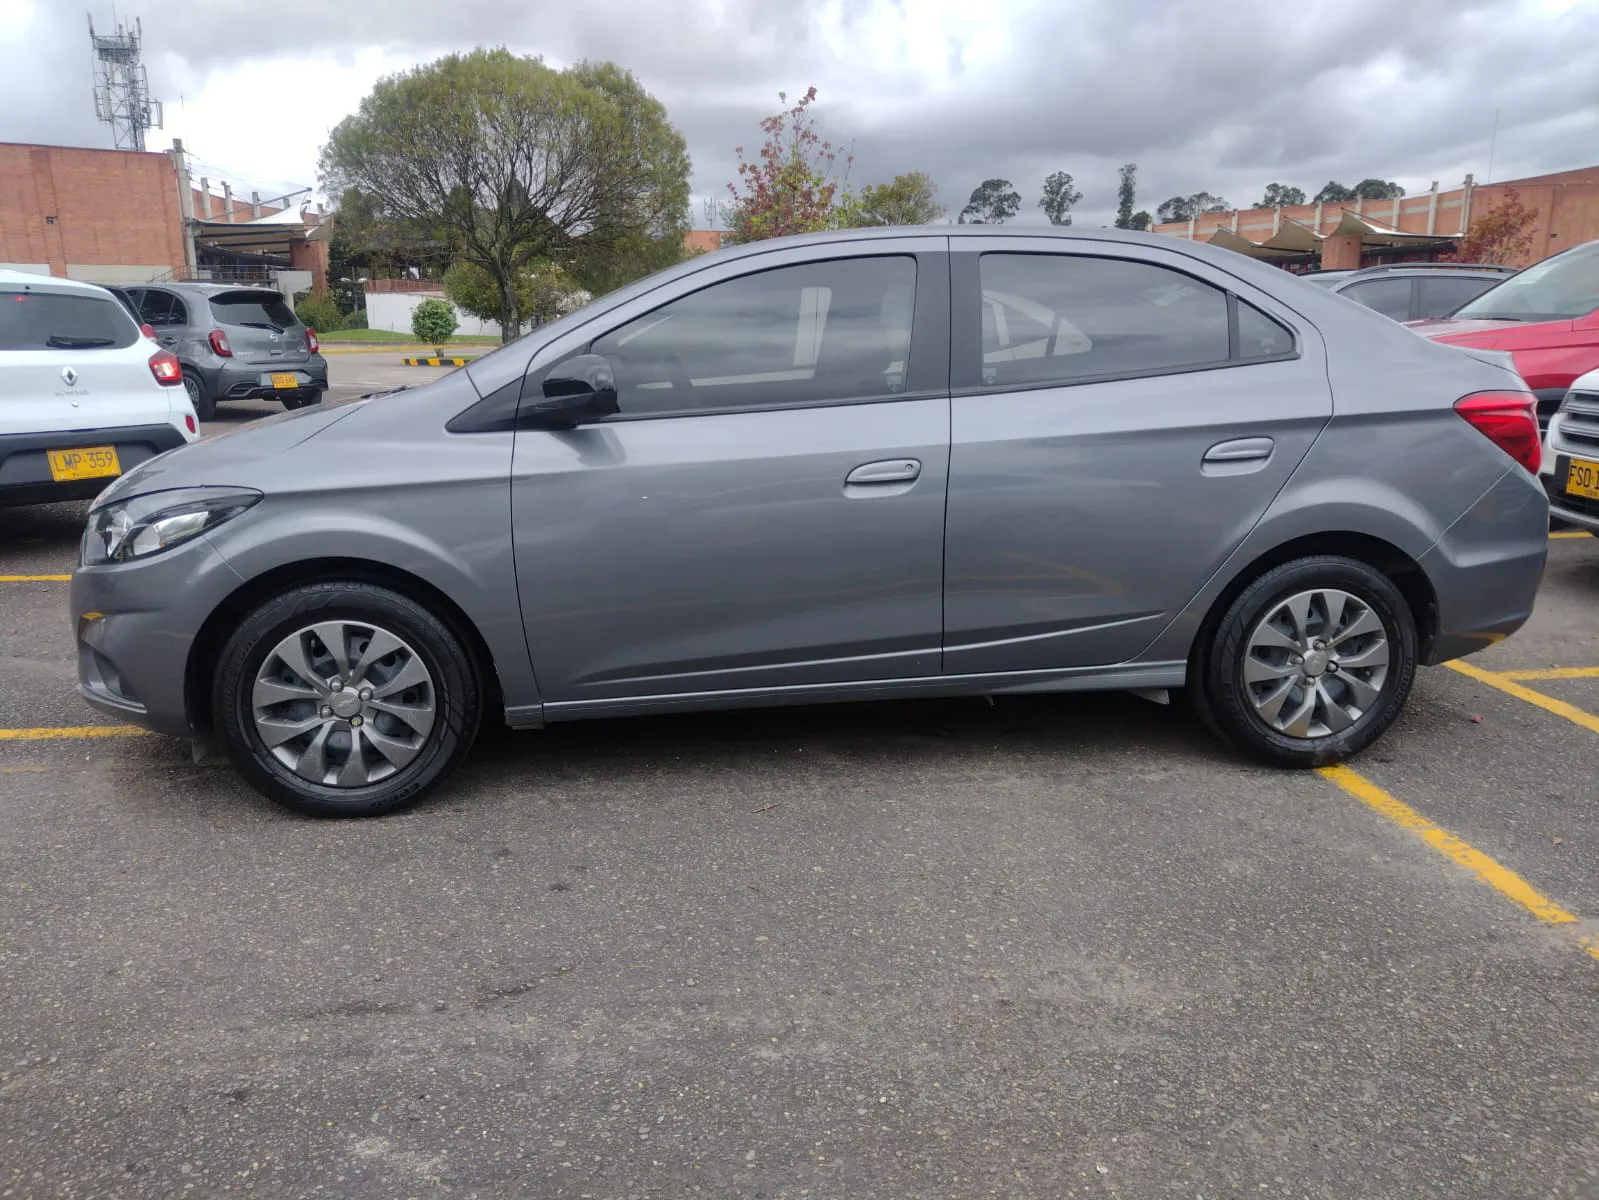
{"x": 966, "y": 328}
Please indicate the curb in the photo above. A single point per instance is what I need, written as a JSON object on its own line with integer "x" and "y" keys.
{"x": 435, "y": 362}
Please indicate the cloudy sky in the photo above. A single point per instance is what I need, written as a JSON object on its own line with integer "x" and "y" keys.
{"x": 1202, "y": 94}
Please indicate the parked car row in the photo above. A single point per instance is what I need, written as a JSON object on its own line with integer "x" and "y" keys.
{"x": 96, "y": 380}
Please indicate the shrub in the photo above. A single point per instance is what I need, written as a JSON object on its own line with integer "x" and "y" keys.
{"x": 319, "y": 313}
{"x": 434, "y": 321}
{"x": 356, "y": 320}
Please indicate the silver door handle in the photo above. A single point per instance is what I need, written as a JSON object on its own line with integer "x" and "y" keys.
{"x": 893, "y": 470}
{"x": 1240, "y": 450}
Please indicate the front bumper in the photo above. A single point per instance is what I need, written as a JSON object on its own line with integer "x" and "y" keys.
{"x": 25, "y": 476}
{"x": 134, "y": 626}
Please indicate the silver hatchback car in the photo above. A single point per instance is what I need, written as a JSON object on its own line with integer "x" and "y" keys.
{"x": 839, "y": 467}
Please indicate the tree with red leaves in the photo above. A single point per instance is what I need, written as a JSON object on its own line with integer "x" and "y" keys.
{"x": 1503, "y": 234}
{"x": 790, "y": 187}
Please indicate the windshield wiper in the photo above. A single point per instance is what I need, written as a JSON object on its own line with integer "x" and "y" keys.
{"x": 62, "y": 341}
{"x": 261, "y": 325}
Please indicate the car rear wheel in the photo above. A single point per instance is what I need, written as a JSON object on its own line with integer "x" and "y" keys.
{"x": 200, "y": 398}
{"x": 1311, "y": 663}
{"x": 345, "y": 699}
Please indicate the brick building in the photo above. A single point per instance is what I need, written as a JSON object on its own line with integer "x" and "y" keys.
{"x": 1426, "y": 226}
{"x": 128, "y": 217}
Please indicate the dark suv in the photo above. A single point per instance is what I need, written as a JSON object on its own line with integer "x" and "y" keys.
{"x": 235, "y": 343}
{"x": 1413, "y": 291}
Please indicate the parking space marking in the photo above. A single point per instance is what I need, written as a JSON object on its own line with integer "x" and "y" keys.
{"x": 1570, "y": 533}
{"x": 1553, "y": 673}
{"x": 1497, "y": 876}
{"x": 70, "y": 732}
{"x": 35, "y": 578}
{"x": 1510, "y": 687}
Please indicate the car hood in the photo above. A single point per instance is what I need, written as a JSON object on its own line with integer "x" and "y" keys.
{"x": 1476, "y": 333}
{"x": 214, "y": 461}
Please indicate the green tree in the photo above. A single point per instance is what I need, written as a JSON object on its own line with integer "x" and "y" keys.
{"x": 433, "y": 321}
{"x": 1140, "y": 220}
{"x": 792, "y": 185}
{"x": 1280, "y": 195}
{"x": 1058, "y": 198}
{"x": 1126, "y": 194}
{"x": 500, "y": 161}
{"x": 1333, "y": 192}
{"x": 1377, "y": 189}
{"x": 543, "y": 292}
{"x": 909, "y": 199}
{"x": 992, "y": 202}
{"x": 1185, "y": 208}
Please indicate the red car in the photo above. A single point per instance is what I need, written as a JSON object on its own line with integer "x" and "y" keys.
{"x": 1547, "y": 317}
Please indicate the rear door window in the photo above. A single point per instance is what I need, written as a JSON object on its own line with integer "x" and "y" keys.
{"x": 1441, "y": 296}
{"x": 57, "y": 321}
{"x": 1390, "y": 297}
{"x": 255, "y": 310}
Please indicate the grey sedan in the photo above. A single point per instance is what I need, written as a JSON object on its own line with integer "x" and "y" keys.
{"x": 841, "y": 467}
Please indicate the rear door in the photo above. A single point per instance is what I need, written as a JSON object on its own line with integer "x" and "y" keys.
{"x": 73, "y": 360}
{"x": 261, "y": 328}
{"x": 1122, "y": 417}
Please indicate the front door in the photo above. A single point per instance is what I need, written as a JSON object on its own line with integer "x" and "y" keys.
{"x": 766, "y": 511}
{"x": 1122, "y": 417}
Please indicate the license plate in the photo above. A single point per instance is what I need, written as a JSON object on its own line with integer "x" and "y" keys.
{"x": 285, "y": 379}
{"x": 1582, "y": 479}
{"x": 86, "y": 462}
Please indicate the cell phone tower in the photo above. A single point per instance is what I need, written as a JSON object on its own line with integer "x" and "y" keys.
{"x": 122, "y": 86}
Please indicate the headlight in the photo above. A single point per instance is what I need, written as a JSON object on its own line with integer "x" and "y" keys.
{"x": 151, "y": 523}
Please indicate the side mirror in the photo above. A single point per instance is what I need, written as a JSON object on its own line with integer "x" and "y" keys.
{"x": 577, "y": 391}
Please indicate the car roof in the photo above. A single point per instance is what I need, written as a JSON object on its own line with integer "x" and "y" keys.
{"x": 47, "y": 283}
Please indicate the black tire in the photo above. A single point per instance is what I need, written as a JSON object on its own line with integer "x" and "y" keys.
{"x": 1223, "y": 691}
{"x": 456, "y": 696}
{"x": 200, "y": 397}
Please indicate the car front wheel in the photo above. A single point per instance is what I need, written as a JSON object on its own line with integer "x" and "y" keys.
{"x": 345, "y": 699}
{"x": 1311, "y": 663}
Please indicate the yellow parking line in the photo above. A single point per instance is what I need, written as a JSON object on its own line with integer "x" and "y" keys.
{"x": 1501, "y": 878}
{"x": 1511, "y": 688}
{"x": 1570, "y": 533}
{"x": 69, "y": 732}
{"x": 1553, "y": 673}
{"x": 34, "y": 578}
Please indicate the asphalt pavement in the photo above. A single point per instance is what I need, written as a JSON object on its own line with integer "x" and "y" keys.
{"x": 1049, "y": 947}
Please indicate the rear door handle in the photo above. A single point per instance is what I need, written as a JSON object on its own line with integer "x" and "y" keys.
{"x": 892, "y": 470}
{"x": 1240, "y": 450}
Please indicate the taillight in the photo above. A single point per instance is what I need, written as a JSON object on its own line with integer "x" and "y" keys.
{"x": 1507, "y": 419}
{"x": 148, "y": 331}
{"x": 165, "y": 367}
{"x": 311, "y": 343}
{"x": 219, "y": 343}
{"x": 188, "y": 419}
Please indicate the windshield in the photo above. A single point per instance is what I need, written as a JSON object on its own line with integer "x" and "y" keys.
{"x": 1561, "y": 288}
{"x": 54, "y": 321}
{"x": 258, "y": 310}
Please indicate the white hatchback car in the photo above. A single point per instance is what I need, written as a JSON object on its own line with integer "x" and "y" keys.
{"x": 84, "y": 394}
{"x": 1570, "y": 468}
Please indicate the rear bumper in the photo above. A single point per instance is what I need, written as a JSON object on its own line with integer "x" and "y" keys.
{"x": 1486, "y": 568}
{"x": 253, "y": 381}
{"x": 25, "y": 466}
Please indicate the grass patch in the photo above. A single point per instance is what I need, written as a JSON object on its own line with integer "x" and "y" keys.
{"x": 349, "y": 336}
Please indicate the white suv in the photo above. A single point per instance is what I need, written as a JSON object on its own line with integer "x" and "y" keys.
{"x": 84, "y": 394}
{"x": 1570, "y": 469}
